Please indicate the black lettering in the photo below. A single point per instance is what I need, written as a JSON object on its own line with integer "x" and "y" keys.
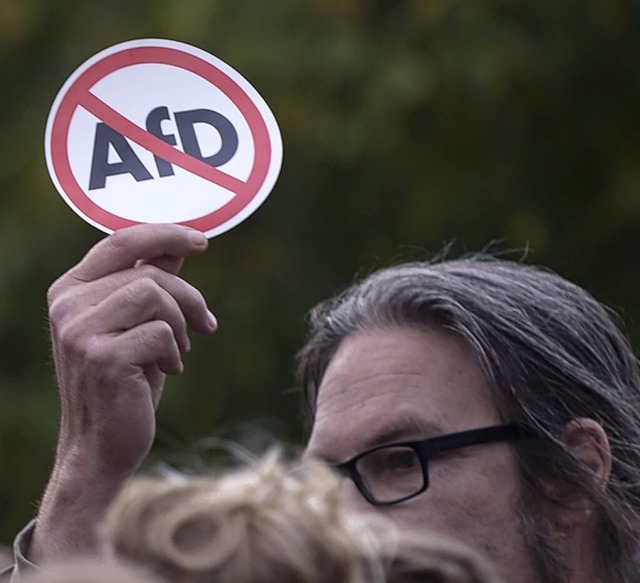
{"x": 100, "y": 167}
{"x": 185, "y": 120}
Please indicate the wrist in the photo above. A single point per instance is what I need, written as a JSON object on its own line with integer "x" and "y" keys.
{"x": 77, "y": 495}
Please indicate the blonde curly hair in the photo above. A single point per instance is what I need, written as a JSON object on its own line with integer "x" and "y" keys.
{"x": 272, "y": 522}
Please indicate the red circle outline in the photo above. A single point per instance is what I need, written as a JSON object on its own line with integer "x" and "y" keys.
{"x": 163, "y": 56}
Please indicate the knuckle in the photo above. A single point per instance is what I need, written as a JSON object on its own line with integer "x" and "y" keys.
{"x": 146, "y": 270}
{"x": 70, "y": 335}
{"x": 162, "y": 332}
{"x": 96, "y": 351}
{"x": 143, "y": 291}
{"x": 55, "y": 289}
{"x": 162, "y": 338}
{"x": 117, "y": 241}
{"x": 62, "y": 308}
{"x": 59, "y": 308}
{"x": 103, "y": 359}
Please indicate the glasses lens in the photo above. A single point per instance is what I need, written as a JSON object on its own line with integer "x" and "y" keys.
{"x": 391, "y": 473}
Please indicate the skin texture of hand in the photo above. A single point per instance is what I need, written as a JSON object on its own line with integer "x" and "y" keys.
{"x": 119, "y": 322}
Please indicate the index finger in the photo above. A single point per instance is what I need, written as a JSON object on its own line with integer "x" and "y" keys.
{"x": 141, "y": 242}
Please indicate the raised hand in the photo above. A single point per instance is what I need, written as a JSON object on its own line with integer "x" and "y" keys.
{"x": 119, "y": 323}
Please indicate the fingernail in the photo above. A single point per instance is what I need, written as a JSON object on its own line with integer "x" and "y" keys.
{"x": 197, "y": 238}
{"x": 211, "y": 321}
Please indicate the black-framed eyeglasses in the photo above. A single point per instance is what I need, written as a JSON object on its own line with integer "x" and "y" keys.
{"x": 392, "y": 473}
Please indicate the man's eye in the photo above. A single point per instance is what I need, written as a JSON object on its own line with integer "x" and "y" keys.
{"x": 398, "y": 460}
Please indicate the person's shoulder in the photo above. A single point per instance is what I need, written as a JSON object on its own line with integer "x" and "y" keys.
{"x": 21, "y": 564}
{"x": 7, "y": 572}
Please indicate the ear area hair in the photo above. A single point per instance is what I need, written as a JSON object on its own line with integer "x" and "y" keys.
{"x": 587, "y": 441}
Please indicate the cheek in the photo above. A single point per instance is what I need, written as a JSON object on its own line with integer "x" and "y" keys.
{"x": 476, "y": 504}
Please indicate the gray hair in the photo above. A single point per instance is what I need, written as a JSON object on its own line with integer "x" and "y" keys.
{"x": 550, "y": 354}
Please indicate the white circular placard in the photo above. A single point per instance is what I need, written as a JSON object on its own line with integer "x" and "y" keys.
{"x": 157, "y": 131}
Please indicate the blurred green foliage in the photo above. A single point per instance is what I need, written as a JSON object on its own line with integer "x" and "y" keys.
{"x": 406, "y": 124}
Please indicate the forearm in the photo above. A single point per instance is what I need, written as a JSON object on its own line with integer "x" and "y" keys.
{"x": 119, "y": 323}
{"x": 71, "y": 510}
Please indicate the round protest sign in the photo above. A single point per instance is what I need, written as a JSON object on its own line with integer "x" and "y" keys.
{"x": 157, "y": 131}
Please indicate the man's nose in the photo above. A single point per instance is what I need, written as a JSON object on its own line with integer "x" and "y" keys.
{"x": 352, "y": 498}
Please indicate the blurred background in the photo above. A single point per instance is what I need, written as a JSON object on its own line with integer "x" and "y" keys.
{"x": 407, "y": 125}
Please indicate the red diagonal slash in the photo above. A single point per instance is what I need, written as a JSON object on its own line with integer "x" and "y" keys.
{"x": 78, "y": 94}
{"x": 155, "y": 145}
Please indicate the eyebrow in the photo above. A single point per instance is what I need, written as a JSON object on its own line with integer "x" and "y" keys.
{"x": 400, "y": 428}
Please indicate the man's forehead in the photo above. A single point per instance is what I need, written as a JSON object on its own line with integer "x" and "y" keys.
{"x": 396, "y": 384}
{"x": 333, "y": 442}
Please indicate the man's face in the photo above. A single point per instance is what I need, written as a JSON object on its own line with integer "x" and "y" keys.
{"x": 403, "y": 384}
